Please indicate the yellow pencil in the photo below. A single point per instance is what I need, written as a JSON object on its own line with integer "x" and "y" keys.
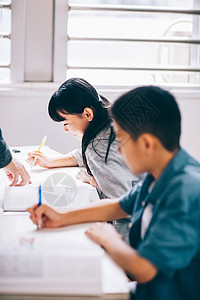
{"x": 40, "y": 147}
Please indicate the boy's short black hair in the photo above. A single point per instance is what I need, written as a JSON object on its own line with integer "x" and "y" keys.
{"x": 149, "y": 109}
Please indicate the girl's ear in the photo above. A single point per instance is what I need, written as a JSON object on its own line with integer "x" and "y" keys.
{"x": 88, "y": 113}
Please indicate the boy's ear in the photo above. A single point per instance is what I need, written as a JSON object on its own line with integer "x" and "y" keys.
{"x": 148, "y": 141}
{"x": 88, "y": 112}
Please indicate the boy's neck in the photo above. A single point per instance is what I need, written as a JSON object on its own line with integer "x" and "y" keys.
{"x": 161, "y": 161}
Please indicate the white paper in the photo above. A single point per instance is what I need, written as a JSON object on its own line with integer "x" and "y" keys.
{"x": 20, "y": 198}
{"x": 20, "y": 264}
{"x": 58, "y": 261}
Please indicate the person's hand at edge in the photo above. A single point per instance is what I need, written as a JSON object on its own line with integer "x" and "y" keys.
{"x": 16, "y": 170}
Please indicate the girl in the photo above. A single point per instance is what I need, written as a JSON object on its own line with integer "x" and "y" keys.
{"x": 85, "y": 115}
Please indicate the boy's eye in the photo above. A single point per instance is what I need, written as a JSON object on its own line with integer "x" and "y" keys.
{"x": 65, "y": 124}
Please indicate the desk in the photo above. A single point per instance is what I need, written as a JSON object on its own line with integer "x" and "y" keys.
{"x": 15, "y": 226}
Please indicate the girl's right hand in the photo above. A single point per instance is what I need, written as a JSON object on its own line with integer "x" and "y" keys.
{"x": 42, "y": 160}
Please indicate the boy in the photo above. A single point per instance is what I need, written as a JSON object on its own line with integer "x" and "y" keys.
{"x": 164, "y": 252}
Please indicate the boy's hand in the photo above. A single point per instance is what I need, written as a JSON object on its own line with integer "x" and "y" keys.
{"x": 14, "y": 170}
{"x": 42, "y": 160}
{"x": 103, "y": 234}
{"x": 45, "y": 216}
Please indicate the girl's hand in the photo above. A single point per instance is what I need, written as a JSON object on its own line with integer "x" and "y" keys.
{"x": 103, "y": 234}
{"x": 45, "y": 216}
{"x": 82, "y": 175}
{"x": 42, "y": 160}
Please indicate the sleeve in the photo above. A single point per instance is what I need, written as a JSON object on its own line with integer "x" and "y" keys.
{"x": 5, "y": 155}
{"x": 127, "y": 201}
{"x": 78, "y": 156}
{"x": 172, "y": 239}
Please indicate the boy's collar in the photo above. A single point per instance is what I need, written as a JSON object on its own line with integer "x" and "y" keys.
{"x": 175, "y": 164}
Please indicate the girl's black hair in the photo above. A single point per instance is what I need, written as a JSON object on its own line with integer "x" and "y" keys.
{"x": 72, "y": 97}
{"x": 149, "y": 109}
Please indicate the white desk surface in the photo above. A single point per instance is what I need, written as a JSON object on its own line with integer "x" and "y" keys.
{"x": 38, "y": 173}
{"x": 114, "y": 281}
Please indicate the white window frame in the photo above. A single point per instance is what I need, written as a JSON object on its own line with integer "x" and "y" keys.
{"x": 28, "y": 62}
{"x": 21, "y": 73}
{"x": 17, "y": 40}
{"x": 3, "y": 34}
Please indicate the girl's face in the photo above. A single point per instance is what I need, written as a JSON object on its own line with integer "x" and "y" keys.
{"x": 133, "y": 152}
{"x": 77, "y": 124}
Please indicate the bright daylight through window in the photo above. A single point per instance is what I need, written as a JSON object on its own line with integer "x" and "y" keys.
{"x": 128, "y": 42}
{"x": 5, "y": 41}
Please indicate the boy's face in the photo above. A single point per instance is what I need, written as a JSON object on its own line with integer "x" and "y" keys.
{"x": 133, "y": 152}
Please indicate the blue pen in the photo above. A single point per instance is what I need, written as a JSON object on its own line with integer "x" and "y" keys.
{"x": 40, "y": 196}
{"x": 39, "y": 226}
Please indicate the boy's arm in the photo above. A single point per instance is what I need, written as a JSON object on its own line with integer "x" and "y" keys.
{"x": 141, "y": 269}
{"x": 124, "y": 255}
{"x": 106, "y": 210}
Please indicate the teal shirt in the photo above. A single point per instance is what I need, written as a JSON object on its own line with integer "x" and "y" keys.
{"x": 172, "y": 240}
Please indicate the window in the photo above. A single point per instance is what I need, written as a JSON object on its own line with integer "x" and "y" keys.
{"x": 108, "y": 42}
{"x": 5, "y": 41}
{"x": 128, "y": 42}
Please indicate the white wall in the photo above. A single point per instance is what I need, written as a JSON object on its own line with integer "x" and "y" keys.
{"x": 190, "y": 138}
{"x": 24, "y": 119}
{"x": 189, "y": 103}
